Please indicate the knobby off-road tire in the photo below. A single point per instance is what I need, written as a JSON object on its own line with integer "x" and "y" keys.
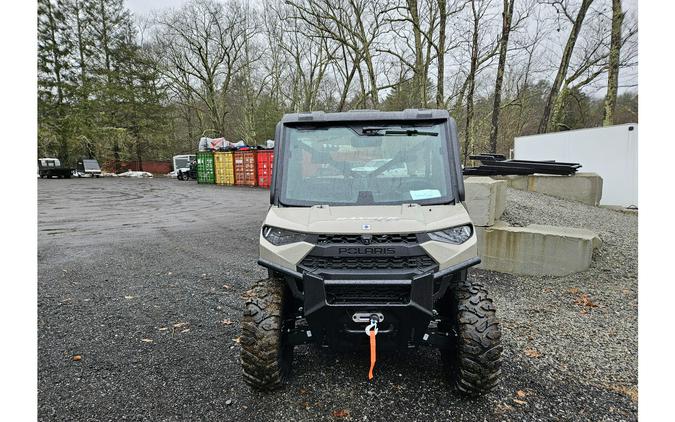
{"x": 474, "y": 362}
{"x": 265, "y": 358}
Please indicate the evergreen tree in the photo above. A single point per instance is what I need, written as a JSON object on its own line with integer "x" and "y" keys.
{"x": 54, "y": 77}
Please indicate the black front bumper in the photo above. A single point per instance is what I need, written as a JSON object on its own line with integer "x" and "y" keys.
{"x": 405, "y": 300}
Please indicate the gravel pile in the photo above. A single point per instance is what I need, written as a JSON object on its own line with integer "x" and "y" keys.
{"x": 142, "y": 280}
{"x": 583, "y": 324}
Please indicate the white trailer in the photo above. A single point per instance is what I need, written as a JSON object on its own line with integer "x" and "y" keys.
{"x": 611, "y": 152}
{"x": 182, "y": 161}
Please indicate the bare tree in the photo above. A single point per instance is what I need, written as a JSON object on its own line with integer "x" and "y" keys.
{"x": 479, "y": 11}
{"x": 507, "y": 14}
{"x": 202, "y": 48}
{"x": 613, "y": 71}
{"x": 545, "y": 123}
{"x": 354, "y": 24}
{"x": 590, "y": 62}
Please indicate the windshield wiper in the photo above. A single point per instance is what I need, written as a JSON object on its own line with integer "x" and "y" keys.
{"x": 372, "y": 130}
{"x": 409, "y": 132}
{"x": 378, "y": 131}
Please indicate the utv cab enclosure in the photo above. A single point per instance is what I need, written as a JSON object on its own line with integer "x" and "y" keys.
{"x": 88, "y": 167}
{"x": 367, "y": 240}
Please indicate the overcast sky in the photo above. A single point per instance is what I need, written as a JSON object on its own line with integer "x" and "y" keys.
{"x": 627, "y": 77}
{"x": 142, "y": 7}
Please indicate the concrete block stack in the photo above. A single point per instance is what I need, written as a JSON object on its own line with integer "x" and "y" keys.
{"x": 531, "y": 250}
{"x": 581, "y": 187}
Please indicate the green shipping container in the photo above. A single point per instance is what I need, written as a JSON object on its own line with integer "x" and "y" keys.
{"x": 206, "y": 172}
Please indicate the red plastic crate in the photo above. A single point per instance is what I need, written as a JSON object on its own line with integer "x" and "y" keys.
{"x": 265, "y": 165}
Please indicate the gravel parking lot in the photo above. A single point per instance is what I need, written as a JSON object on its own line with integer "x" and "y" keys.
{"x": 141, "y": 279}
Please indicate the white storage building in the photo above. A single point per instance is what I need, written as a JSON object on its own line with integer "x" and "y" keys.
{"x": 611, "y": 152}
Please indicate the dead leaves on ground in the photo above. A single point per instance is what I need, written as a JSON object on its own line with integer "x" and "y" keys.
{"x": 77, "y": 358}
{"x": 532, "y": 353}
{"x": 181, "y": 327}
{"x": 583, "y": 300}
{"x": 340, "y": 413}
{"x": 503, "y": 408}
{"x": 519, "y": 400}
{"x": 629, "y": 391}
{"x": 227, "y": 322}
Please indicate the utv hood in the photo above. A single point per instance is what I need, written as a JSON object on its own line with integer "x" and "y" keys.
{"x": 405, "y": 218}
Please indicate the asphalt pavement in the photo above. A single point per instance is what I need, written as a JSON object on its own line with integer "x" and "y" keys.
{"x": 139, "y": 300}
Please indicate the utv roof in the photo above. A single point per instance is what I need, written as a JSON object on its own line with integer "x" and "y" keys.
{"x": 366, "y": 115}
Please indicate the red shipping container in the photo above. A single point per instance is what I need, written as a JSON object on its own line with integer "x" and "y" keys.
{"x": 265, "y": 164}
{"x": 245, "y": 168}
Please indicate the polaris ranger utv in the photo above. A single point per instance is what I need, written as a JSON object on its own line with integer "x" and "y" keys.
{"x": 367, "y": 242}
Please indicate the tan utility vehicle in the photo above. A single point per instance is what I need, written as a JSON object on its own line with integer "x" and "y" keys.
{"x": 367, "y": 241}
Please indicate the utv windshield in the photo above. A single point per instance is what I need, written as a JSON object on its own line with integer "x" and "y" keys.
{"x": 365, "y": 165}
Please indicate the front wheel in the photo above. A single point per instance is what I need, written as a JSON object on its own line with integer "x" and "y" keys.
{"x": 474, "y": 361}
{"x": 265, "y": 356}
{"x": 180, "y": 176}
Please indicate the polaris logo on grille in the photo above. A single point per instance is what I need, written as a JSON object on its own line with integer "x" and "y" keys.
{"x": 374, "y": 250}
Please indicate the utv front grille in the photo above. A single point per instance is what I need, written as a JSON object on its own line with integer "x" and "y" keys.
{"x": 418, "y": 262}
{"x": 381, "y": 294}
{"x": 407, "y": 238}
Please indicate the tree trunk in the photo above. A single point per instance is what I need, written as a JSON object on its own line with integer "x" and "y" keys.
{"x": 80, "y": 44}
{"x": 418, "y": 82}
{"x": 440, "y": 78}
{"x": 503, "y": 44}
{"x": 116, "y": 155}
{"x": 61, "y": 129}
{"x": 471, "y": 84}
{"x": 544, "y": 124}
{"x": 139, "y": 154}
{"x": 345, "y": 89}
{"x": 558, "y": 108}
{"x": 613, "y": 72}
{"x": 372, "y": 78}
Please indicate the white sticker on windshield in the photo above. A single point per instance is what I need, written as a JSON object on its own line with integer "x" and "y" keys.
{"x": 425, "y": 194}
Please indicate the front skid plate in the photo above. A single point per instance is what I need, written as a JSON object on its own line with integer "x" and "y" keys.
{"x": 404, "y": 322}
{"x": 358, "y": 339}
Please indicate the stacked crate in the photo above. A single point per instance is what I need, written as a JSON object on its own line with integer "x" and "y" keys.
{"x": 265, "y": 164}
{"x": 245, "y": 168}
{"x": 224, "y": 165}
{"x": 206, "y": 172}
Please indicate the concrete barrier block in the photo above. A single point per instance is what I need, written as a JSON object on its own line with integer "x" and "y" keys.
{"x": 485, "y": 199}
{"x": 580, "y": 187}
{"x": 536, "y": 249}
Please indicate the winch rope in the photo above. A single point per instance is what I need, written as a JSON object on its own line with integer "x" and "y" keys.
{"x": 371, "y": 331}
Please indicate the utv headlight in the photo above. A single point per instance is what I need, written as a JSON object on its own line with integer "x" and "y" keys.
{"x": 277, "y": 236}
{"x": 456, "y": 235}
